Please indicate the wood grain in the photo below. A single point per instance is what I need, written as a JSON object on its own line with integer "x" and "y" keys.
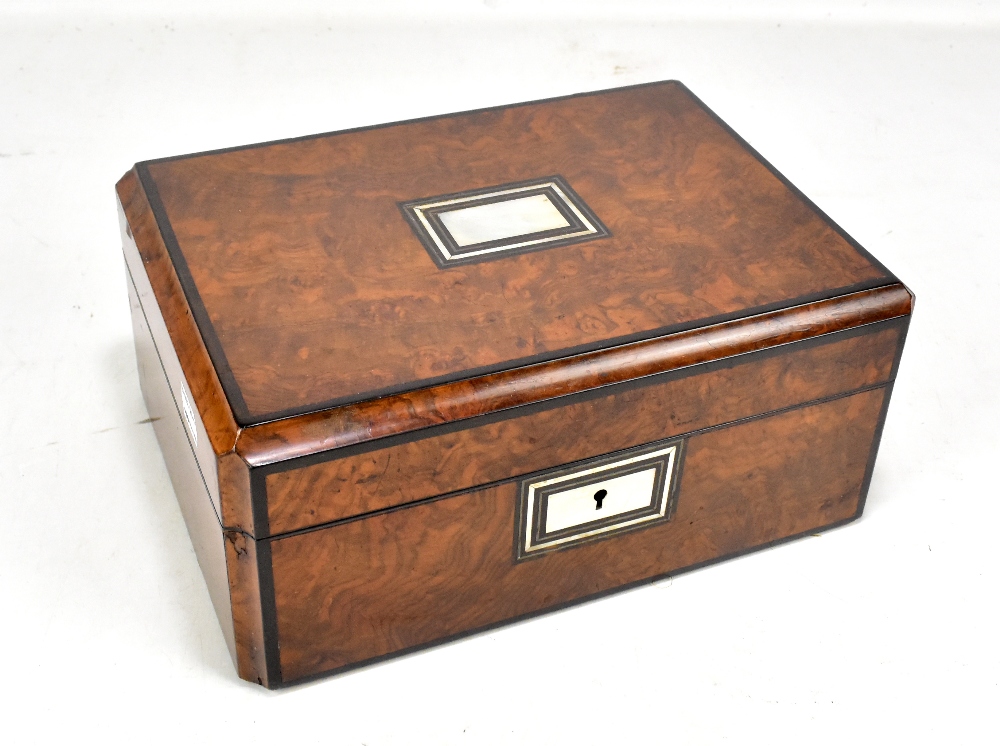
{"x": 391, "y": 415}
{"x": 185, "y": 474}
{"x": 181, "y": 350}
{"x": 407, "y": 577}
{"x": 398, "y": 474}
{"x": 235, "y": 493}
{"x": 242, "y": 562}
{"x": 212, "y": 487}
{"x": 320, "y": 293}
{"x": 142, "y": 240}
{"x": 282, "y": 287}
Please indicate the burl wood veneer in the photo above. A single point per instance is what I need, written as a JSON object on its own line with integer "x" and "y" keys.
{"x": 370, "y": 587}
{"x": 416, "y": 380}
{"x": 480, "y": 454}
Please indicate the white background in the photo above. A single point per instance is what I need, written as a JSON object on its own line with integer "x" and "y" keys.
{"x": 886, "y": 114}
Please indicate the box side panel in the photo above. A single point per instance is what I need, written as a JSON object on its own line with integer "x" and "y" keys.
{"x": 406, "y": 578}
{"x": 212, "y": 430}
{"x": 651, "y": 409}
{"x": 189, "y": 481}
{"x": 180, "y": 389}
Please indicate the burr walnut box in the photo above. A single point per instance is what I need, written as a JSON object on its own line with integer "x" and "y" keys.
{"x": 416, "y": 380}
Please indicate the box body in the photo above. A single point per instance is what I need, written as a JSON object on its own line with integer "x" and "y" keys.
{"x": 671, "y": 359}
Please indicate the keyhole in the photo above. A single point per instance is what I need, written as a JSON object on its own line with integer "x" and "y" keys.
{"x": 599, "y": 497}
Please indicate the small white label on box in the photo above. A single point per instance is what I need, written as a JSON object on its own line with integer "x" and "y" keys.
{"x": 189, "y": 420}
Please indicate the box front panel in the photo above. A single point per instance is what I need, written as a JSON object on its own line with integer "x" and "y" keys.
{"x": 604, "y": 421}
{"x": 408, "y": 577}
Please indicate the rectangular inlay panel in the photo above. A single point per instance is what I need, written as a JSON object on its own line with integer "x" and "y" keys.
{"x": 508, "y": 219}
{"x": 404, "y": 578}
{"x": 596, "y": 499}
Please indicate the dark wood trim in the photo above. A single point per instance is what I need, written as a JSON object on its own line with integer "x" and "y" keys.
{"x": 870, "y": 469}
{"x": 148, "y": 336}
{"x": 211, "y": 341}
{"x": 902, "y": 341}
{"x": 556, "y": 607}
{"x": 326, "y": 585}
{"x": 651, "y": 84}
{"x": 790, "y": 186}
{"x": 269, "y": 613}
{"x": 476, "y": 197}
{"x": 244, "y": 418}
{"x": 227, "y": 557}
{"x": 242, "y": 414}
{"x": 430, "y": 118}
{"x": 258, "y": 492}
{"x": 185, "y": 470}
{"x": 347, "y": 425}
{"x": 572, "y": 464}
{"x": 226, "y": 476}
{"x": 663, "y": 495}
{"x": 416, "y": 409}
{"x": 199, "y": 371}
{"x": 259, "y": 475}
{"x": 259, "y": 472}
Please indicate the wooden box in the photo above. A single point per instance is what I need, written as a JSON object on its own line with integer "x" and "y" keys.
{"x": 417, "y": 380}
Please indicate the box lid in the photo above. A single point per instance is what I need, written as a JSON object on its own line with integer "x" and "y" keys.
{"x": 367, "y": 282}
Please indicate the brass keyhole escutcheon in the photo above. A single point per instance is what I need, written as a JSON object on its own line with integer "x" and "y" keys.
{"x": 599, "y": 498}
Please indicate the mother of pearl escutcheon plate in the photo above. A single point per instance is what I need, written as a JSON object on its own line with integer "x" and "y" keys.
{"x": 599, "y": 498}
{"x": 515, "y": 218}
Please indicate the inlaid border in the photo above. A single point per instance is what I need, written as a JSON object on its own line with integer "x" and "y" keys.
{"x": 259, "y": 472}
{"x": 534, "y": 493}
{"x": 245, "y": 418}
{"x": 268, "y": 602}
{"x": 423, "y": 215}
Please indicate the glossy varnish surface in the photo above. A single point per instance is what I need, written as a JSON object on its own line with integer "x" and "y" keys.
{"x": 186, "y": 474}
{"x": 451, "y": 402}
{"x": 151, "y": 265}
{"x": 479, "y": 454}
{"x": 377, "y": 585}
{"x": 363, "y": 416}
{"x": 318, "y": 292}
